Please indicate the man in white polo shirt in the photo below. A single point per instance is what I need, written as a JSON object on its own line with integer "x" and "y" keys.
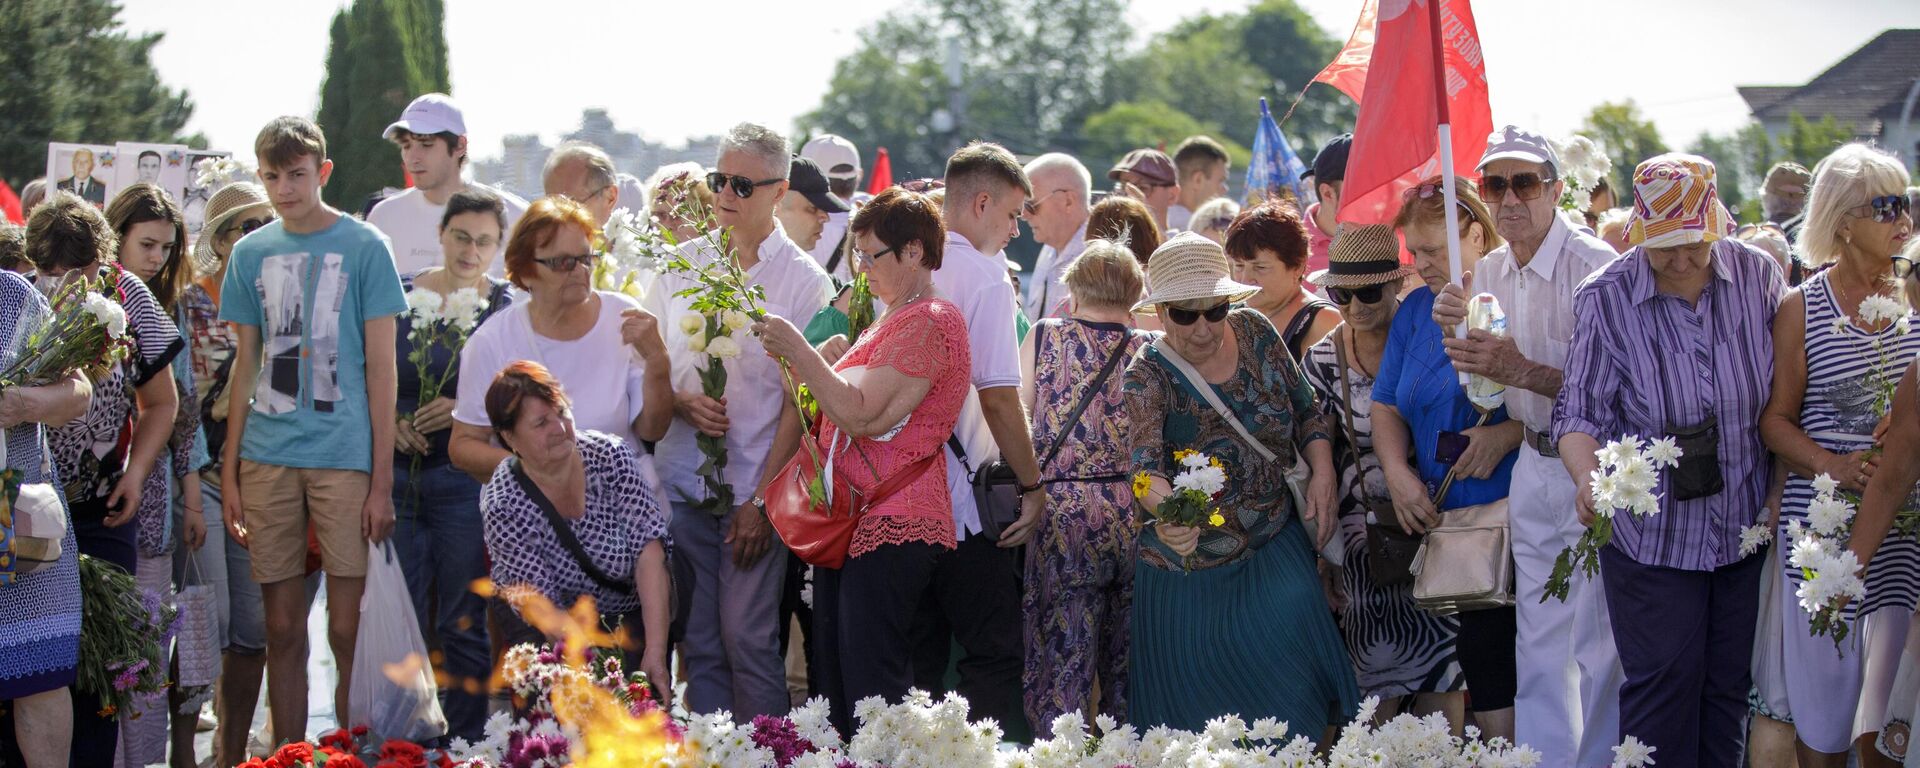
{"x": 1057, "y": 214}
{"x": 974, "y": 596}
{"x": 432, "y": 136}
{"x": 725, "y": 555}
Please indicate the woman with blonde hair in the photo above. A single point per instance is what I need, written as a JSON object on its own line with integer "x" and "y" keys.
{"x": 1080, "y": 562}
{"x": 1831, "y": 358}
{"x": 1213, "y": 218}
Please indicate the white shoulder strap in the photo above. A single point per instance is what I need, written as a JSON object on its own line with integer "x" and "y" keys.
{"x": 1206, "y": 392}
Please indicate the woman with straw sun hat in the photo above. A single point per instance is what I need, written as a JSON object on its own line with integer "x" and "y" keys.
{"x": 1401, "y": 654}
{"x": 1228, "y": 616}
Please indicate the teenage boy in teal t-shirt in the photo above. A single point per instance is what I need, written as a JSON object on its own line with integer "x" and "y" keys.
{"x": 312, "y": 298}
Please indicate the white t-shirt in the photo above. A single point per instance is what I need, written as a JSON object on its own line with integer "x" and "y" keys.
{"x": 1047, "y": 290}
{"x": 979, "y": 286}
{"x": 413, "y": 224}
{"x": 601, "y": 374}
{"x": 796, "y": 288}
{"x": 830, "y": 234}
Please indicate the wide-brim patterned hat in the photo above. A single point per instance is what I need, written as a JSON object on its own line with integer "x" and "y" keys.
{"x": 1191, "y": 267}
{"x": 232, "y": 201}
{"x": 1676, "y": 202}
{"x": 1362, "y": 256}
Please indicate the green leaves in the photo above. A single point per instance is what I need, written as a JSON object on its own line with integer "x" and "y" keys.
{"x": 1583, "y": 555}
{"x": 382, "y": 54}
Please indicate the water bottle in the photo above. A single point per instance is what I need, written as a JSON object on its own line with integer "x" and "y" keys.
{"x": 1484, "y": 314}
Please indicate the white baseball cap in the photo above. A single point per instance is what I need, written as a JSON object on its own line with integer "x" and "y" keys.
{"x": 1516, "y": 143}
{"x": 431, "y": 113}
{"x": 836, "y": 156}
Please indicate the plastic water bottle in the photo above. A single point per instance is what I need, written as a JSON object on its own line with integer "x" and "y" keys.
{"x": 1484, "y": 314}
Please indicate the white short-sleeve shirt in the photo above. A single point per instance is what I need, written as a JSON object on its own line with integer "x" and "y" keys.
{"x": 979, "y": 286}
{"x": 1538, "y": 301}
{"x": 796, "y": 288}
{"x": 1048, "y": 290}
{"x": 601, "y": 374}
{"x": 413, "y": 224}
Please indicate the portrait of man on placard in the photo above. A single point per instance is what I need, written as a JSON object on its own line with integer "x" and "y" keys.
{"x": 147, "y": 167}
{"x": 81, "y": 179}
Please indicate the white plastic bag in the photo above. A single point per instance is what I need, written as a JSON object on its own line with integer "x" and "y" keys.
{"x": 392, "y": 691}
{"x": 197, "y": 645}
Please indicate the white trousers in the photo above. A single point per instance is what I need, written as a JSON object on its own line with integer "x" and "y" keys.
{"x": 1568, "y": 701}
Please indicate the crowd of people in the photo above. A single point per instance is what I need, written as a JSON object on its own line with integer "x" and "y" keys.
{"x": 1008, "y": 434}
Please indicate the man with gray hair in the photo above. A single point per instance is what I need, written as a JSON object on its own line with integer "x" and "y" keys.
{"x": 726, "y": 561}
{"x": 1783, "y": 196}
{"x": 583, "y": 173}
{"x": 1057, "y": 214}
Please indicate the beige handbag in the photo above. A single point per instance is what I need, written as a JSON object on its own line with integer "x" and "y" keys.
{"x": 1466, "y": 562}
{"x": 39, "y": 521}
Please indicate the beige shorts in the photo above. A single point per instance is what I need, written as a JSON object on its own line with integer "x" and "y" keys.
{"x": 279, "y": 501}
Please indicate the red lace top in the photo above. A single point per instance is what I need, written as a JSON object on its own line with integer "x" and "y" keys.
{"x": 924, "y": 340}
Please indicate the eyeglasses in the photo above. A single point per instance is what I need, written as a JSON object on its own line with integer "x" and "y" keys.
{"x": 464, "y": 240}
{"x": 923, "y": 186}
{"x": 1032, "y": 207}
{"x": 1526, "y": 186}
{"x": 1213, "y": 314}
{"x": 248, "y": 226}
{"x": 866, "y": 259}
{"x": 1221, "y": 224}
{"x": 1902, "y": 266}
{"x": 1368, "y": 295}
{"x": 1747, "y": 230}
{"x": 567, "y": 263}
{"x": 742, "y": 186}
{"x": 1886, "y": 208}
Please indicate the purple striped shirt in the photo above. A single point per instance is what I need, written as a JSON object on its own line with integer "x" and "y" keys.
{"x": 1641, "y": 360}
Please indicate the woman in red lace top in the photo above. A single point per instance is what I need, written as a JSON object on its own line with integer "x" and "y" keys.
{"x": 889, "y": 403}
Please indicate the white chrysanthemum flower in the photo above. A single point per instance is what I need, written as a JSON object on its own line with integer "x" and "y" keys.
{"x": 1606, "y": 493}
{"x": 1616, "y": 453}
{"x": 1825, "y": 485}
{"x": 1664, "y": 452}
{"x": 1881, "y": 308}
{"x": 425, "y": 306}
{"x": 1636, "y": 474}
{"x": 1829, "y": 516}
{"x": 463, "y": 309}
{"x": 1632, "y": 754}
{"x": 1755, "y": 538}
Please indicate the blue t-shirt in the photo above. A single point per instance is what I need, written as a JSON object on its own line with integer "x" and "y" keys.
{"x": 311, "y": 295}
{"x": 1418, "y": 380}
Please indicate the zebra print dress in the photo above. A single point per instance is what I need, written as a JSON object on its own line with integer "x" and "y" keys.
{"x": 1844, "y": 373}
{"x": 1397, "y": 649}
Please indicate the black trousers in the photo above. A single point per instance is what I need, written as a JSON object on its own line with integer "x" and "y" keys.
{"x": 793, "y": 607}
{"x": 863, "y": 614}
{"x": 1484, "y": 649}
{"x": 974, "y": 598}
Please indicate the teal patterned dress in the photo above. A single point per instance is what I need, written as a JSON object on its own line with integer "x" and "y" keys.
{"x": 1240, "y": 627}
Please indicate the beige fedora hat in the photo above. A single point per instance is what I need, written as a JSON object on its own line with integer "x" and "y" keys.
{"x": 1190, "y": 267}
{"x": 1362, "y": 256}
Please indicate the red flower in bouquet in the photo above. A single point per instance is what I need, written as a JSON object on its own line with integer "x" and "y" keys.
{"x": 339, "y": 739}
{"x": 402, "y": 754}
{"x": 344, "y": 760}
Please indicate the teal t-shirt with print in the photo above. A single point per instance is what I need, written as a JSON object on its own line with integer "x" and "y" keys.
{"x": 311, "y": 296}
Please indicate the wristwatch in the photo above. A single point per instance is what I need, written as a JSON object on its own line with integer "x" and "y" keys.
{"x": 759, "y": 503}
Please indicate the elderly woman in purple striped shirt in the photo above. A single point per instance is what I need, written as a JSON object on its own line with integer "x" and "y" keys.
{"x": 1673, "y": 341}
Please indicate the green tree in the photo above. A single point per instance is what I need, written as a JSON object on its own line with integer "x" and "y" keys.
{"x": 1730, "y": 169}
{"x": 1807, "y": 141}
{"x": 1112, "y": 132}
{"x": 382, "y": 54}
{"x": 70, "y": 72}
{"x": 1626, "y": 135}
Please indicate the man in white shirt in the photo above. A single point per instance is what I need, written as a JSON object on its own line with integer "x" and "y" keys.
{"x": 805, "y": 209}
{"x": 725, "y": 555}
{"x": 974, "y": 596}
{"x": 1203, "y": 166}
{"x": 1150, "y": 171}
{"x": 1057, "y": 214}
{"x": 839, "y": 159}
{"x": 1568, "y": 704}
{"x": 432, "y": 136}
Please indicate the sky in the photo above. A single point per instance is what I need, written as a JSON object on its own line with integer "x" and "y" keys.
{"x": 673, "y": 70}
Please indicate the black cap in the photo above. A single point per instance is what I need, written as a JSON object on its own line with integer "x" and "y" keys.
{"x": 805, "y": 178}
{"x": 1331, "y": 163}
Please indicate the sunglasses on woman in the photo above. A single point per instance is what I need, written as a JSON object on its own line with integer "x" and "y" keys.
{"x": 1344, "y": 296}
{"x": 742, "y": 186}
{"x": 1902, "y": 266}
{"x": 248, "y": 226}
{"x": 1213, "y": 314}
{"x": 1887, "y": 208}
{"x": 1526, "y": 186}
{"x": 567, "y": 263}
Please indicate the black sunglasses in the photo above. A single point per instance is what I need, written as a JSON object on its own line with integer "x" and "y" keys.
{"x": 1902, "y": 266}
{"x": 567, "y": 263}
{"x": 1887, "y": 208}
{"x": 1214, "y": 314}
{"x": 248, "y": 226}
{"x": 1368, "y": 295}
{"x": 1526, "y": 186}
{"x": 742, "y": 186}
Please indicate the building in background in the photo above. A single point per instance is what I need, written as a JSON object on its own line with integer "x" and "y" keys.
{"x": 522, "y": 156}
{"x": 1876, "y": 90}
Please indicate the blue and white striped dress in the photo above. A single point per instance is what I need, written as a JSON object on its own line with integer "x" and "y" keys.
{"x": 1843, "y": 375}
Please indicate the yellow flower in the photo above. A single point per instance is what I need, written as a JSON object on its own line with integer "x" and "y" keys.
{"x": 1181, "y": 455}
{"x": 1216, "y": 463}
{"x": 1216, "y": 519}
{"x": 1141, "y": 483}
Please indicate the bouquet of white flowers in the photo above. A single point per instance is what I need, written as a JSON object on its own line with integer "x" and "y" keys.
{"x": 444, "y": 321}
{"x": 86, "y": 332}
{"x": 1629, "y": 471}
{"x": 1583, "y": 165}
{"x": 1830, "y": 571}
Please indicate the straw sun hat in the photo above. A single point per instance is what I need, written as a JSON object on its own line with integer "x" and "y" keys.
{"x": 1362, "y": 256}
{"x": 231, "y": 202}
{"x": 1190, "y": 267}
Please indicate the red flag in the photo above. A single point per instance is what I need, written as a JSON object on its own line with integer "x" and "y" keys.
{"x": 1395, "y": 141}
{"x": 882, "y": 175}
{"x": 10, "y": 205}
{"x": 1348, "y": 72}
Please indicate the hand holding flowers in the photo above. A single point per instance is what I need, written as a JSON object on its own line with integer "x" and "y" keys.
{"x": 1189, "y": 505}
{"x": 1831, "y": 571}
{"x": 1629, "y": 471}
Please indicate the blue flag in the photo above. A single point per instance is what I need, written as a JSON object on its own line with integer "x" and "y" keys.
{"x": 1274, "y": 164}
